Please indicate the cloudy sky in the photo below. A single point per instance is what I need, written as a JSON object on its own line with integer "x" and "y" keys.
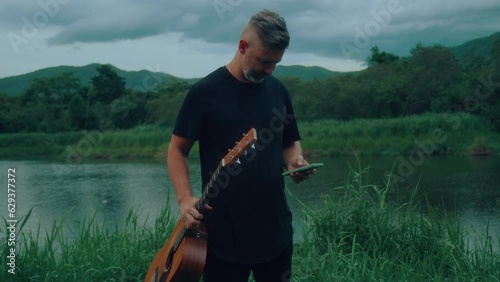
{"x": 191, "y": 38}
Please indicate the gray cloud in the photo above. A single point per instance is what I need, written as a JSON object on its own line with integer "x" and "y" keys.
{"x": 317, "y": 27}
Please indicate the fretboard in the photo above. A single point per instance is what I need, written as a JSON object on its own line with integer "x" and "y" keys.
{"x": 203, "y": 198}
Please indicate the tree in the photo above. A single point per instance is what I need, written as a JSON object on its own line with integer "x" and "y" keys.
{"x": 378, "y": 57}
{"x": 108, "y": 85}
{"x": 389, "y": 89}
{"x": 165, "y": 105}
{"x": 434, "y": 73}
{"x": 78, "y": 112}
{"x": 490, "y": 106}
{"x": 57, "y": 90}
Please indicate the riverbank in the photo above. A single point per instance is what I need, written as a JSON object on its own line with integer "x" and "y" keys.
{"x": 430, "y": 134}
{"x": 357, "y": 234}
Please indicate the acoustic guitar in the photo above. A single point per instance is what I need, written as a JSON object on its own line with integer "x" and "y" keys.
{"x": 182, "y": 258}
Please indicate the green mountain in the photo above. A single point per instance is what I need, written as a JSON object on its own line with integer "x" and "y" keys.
{"x": 303, "y": 72}
{"x": 17, "y": 85}
{"x": 480, "y": 46}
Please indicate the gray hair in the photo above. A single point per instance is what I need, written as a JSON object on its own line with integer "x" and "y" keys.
{"x": 271, "y": 29}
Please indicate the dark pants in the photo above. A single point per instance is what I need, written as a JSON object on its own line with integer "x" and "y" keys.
{"x": 276, "y": 270}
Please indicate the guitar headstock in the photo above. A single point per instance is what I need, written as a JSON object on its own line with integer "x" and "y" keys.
{"x": 241, "y": 147}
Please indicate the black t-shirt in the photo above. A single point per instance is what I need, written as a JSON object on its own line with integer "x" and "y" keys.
{"x": 250, "y": 221}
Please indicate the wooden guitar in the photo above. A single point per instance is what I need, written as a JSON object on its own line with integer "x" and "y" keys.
{"x": 182, "y": 258}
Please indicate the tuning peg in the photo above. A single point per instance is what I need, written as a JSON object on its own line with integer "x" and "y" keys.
{"x": 238, "y": 161}
{"x": 253, "y": 146}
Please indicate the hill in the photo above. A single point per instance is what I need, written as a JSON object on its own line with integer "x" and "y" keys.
{"x": 303, "y": 72}
{"x": 480, "y": 46}
{"x": 17, "y": 85}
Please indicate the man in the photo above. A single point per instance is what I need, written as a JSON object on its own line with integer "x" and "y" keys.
{"x": 248, "y": 220}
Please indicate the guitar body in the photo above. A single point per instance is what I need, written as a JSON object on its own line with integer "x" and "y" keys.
{"x": 186, "y": 264}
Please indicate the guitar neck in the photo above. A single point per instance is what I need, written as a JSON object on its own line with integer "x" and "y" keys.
{"x": 245, "y": 143}
{"x": 203, "y": 198}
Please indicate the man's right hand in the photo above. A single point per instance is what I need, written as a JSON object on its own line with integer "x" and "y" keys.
{"x": 189, "y": 214}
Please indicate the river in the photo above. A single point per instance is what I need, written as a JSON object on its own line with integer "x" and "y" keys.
{"x": 467, "y": 185}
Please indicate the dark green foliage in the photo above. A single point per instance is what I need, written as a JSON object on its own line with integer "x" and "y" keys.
{"x": 430, "y": 80}
{"x": 167, "y": 100}
{"x": 108, "y": 85}
{"x": 377, "y": 57}
{"x": 491, "y": 88}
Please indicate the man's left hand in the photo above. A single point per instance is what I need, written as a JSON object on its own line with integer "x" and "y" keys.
{"x": 298, "y": 162}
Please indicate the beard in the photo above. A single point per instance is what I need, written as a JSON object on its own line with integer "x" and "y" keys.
{"x": 253, "y": 76}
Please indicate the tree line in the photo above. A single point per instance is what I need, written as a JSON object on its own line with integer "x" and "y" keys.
{"x": 430, "y": 79}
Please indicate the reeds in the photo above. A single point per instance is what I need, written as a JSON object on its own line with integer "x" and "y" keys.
{"x": 92, "y": 251}
{"x": 360, "y": 234}
{"x": 451, "y": 134}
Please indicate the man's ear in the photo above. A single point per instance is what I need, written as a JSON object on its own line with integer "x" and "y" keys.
{"x": 243, "y": 46}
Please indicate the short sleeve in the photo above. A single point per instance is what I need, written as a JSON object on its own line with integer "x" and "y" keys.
{"x": 189, "y": 118}
{"x": 291, "y": 131}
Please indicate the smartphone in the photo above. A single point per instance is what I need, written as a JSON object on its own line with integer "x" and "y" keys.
{"x": 307, "y": 167}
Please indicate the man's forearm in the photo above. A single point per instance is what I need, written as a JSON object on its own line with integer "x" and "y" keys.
{"x": 179, "y": 174}
{"x": 292, "y": 152}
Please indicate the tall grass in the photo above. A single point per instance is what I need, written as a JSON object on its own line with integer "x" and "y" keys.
{"x": 93, "y": 251}
{"x": 147, "y": 141}
{"x": 36, "y": 144}
{"x": 400, "y": 136}
{"x": 359, "y": 234}
{"x": 144, "y": 141}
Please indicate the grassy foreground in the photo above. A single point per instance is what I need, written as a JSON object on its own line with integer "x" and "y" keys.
{"x": 437, "y": 134}
{"x": 357, "y": 235}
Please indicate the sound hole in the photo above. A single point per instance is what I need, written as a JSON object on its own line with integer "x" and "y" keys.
{"x": 169, "y": 262}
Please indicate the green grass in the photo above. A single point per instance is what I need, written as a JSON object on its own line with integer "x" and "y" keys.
{"x": 93, "y": 251}
{"x": 35, "y": 144}
{"x": 146, "y": 141}
{"x": 464, "y": 134}
{"x": 359, "y": 234}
